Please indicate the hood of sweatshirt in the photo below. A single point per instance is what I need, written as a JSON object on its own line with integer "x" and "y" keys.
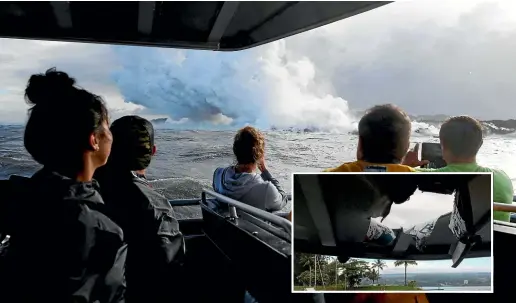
{"x": 236, "y": 185}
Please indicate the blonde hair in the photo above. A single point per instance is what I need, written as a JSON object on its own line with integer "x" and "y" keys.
{"x": 249, "y": 145}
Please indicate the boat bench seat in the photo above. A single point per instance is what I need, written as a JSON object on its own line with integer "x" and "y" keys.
{"x": 222, "y": 209}
{"x": 261, "y": 258}
{"x": 5, "y": 198}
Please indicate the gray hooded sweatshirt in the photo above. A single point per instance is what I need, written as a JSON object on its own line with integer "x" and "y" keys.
{"x": 259, "y": 190}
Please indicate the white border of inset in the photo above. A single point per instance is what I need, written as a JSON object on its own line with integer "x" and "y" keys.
{"x": 388, "y": 173}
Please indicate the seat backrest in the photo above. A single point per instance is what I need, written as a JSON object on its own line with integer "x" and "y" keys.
{"x": 449, "y": 227}
{"x": 11, "y": 199}
{"x": 472, "y": 206}
{"x": 5, "y": 198}
{"x": 480, "y": 196}
{"x": 267, "y": 226}
{"x": 262, "y": 259}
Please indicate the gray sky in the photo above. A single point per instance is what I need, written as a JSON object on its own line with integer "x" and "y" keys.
{"x": 429, "y": 57}
{"x": 410, "y": 213}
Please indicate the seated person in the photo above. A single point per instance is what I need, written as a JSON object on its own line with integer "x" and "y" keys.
{"x": 352, "y": 202}
{"x": 62, "y": 246}
{"x": 241, "y": 182}
{"x": 383, "y": 141}
{"x": 155, "y": 243}
{"x": 461, "y": 139}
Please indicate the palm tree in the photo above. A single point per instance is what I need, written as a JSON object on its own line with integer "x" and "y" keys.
{"x": 405, "y": 263}
{"x": 372, "y": 275}
{"x": 379, "y": 265}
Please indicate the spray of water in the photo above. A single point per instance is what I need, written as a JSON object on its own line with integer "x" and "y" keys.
{"x": 265, "y": 87}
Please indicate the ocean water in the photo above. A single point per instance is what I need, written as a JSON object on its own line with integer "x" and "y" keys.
{"x": 185, "y": 160}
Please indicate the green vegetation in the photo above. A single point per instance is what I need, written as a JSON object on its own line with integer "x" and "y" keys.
{"x": 388, "y": 287}
{"x": 370, "y": 287}
{"x": 378, "y": 265}
{"x": 327, "y": 273}
{"x": 405, "y": 263}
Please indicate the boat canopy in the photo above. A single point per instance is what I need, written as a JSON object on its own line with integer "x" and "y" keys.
{"x": 217, "y": 25}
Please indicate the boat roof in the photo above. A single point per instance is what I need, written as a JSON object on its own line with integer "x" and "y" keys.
{"x": 214, "y": 25}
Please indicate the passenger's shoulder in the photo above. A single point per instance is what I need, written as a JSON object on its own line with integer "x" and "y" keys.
{"x": 268, "y": 185}
{"x": 500, "y": 176}
{"x": 261, "y": 185}
{"x": 151, "y": 198}
{"x": 93, "y": 218}
{"x": 263, "y": 188}
{"x": 405, "y": 168}
{"x": 343, "y": 168}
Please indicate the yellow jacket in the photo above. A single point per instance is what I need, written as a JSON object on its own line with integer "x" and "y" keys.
{"x": 362, "y": 166}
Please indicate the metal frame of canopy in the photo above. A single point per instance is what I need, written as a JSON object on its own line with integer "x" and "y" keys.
{"x": 220, "y": 25}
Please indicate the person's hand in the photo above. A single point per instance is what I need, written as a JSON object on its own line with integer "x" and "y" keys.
{"x": 261, "y": 164}
{"x": 412, "y": 158}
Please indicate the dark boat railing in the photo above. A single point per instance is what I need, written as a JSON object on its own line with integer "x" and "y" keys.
{"x": 261, "y": 214}
{"x": 196, "y": 201}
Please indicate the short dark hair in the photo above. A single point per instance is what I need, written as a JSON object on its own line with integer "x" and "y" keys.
{"x": 384, "y": 132}
{"x": 61, "y": 110}
{"x": 249, "y": 145}
{"x": 462, "y": 136}
{"x": 133, "y": 142}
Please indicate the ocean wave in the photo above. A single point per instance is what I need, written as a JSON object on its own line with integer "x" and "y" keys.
{"x": 422, "y": 128}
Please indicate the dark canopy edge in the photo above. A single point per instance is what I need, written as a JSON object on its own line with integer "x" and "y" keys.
{"x": 211, "y": 44}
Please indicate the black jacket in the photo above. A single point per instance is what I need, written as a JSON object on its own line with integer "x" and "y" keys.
{"x": 62, "y": 247}
{"x": 156, "y": 245}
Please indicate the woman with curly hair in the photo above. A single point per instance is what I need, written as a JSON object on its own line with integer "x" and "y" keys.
{"x": 241, "y": 182}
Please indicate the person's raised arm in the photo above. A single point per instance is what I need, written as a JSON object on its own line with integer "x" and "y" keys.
{"x": 412, "y": 159}
{"x": 276, "y": 197}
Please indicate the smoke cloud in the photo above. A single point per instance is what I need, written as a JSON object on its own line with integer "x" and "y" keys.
{"x": 265, "y": 87}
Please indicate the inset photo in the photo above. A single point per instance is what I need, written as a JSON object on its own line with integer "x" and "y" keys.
{"x": 378, "y": 232}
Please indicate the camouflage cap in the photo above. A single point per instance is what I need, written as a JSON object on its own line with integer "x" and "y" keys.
{"x": 133, "y": 141}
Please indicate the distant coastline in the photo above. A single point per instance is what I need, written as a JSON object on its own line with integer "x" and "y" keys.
{"x": 450, "y": 281}
{"x": 158, "y": 121}
{"x": 491, "y": 127}
{"x": 457, "y": 288}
